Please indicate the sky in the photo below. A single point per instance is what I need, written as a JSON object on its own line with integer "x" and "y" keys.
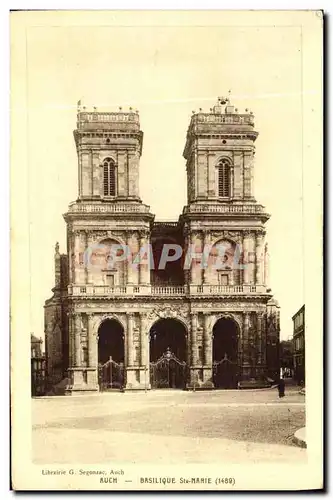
{"x": 165, "y": 72}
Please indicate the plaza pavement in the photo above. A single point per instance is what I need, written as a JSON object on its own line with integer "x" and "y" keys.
{"x": 168, "y": 427}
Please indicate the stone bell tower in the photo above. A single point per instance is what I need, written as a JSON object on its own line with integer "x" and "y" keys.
{"x": 222, "y": 211}
{"x": 108, "y": 211}
{"x": 219, "y": 151}
{"x": 109, "y": 146}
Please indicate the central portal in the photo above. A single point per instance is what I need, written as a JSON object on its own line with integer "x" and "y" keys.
{"x": 168, "y": 354}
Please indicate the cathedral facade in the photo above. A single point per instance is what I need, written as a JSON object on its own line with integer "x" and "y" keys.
{"x": 166, "y": 316}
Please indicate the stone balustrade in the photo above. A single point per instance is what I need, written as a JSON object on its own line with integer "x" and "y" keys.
{"x": 167, "y": 223}
{"x": 247, "y": 209}
{"x": 97, "y": 116}
{"x": 226, "y": 289}
{"x": 169, "y": 291}
{"x": 108, "y": 208}
{"x": 141, "y": 208}
{"x": 234, "y": 118}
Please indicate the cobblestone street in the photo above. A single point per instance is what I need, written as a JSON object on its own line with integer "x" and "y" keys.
{"x": 169, "y": 427}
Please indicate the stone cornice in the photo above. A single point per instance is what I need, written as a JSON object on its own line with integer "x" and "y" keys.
{"x": 187, "y": 299}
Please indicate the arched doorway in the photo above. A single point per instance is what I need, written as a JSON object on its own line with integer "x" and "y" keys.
{"x": 111, "y": 349}
{"x": 225, "y": 354}
{"x": 167, "y": 342}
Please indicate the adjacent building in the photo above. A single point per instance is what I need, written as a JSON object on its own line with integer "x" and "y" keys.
{"x": 287, "y": 358}
{"x": 299, "y": 345}
{"x": 124, "y": 322}
{"x": 38, "y": 366}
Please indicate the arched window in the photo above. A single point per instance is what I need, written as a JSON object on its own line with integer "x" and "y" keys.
{"x": 223, "y": 178}
{"x": 109, "y": 170}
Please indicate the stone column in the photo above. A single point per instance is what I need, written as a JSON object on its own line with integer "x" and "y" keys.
{"x": 266, "y": 273}
{"x": 76, "y": 383}
{"x": 92, "y": 343}
{"x": 121, "y": 173}
{"x": 129, "y": 261}
{"x": 187, "y": 272}
{"x": 76, "y": 246}
{"x": 211, "y": 175}
{"x": 77, "y": 340}
{"x": 144, "y": 267}
{"x": 207, "y": 344}
{"x": 232, "y": 181}
{"x": 86, "y": 259}
{"x": 71, "y": 360}
{"x": 89, "y": 258}
{"x": 206, "y": 242}
{"x": 193, "y": 263}
{"x": 193, "y": 337}
{"x": 144, "y": 354}
{"x": 133, "y": 174}
{"x": 246, "y": 274}
{"x": 247, "y": 174}
{"x": 263, "y": 339}
{"x": 143, "y": 341}
{"x": 259, "y": 258}
{"x": 202, "y": 174}
{"x": 195, "y": 172}
{"x": 207, "y": 370}
{"x": 238, "y": 175}
{"x": 245, "y": 345}
{"x": 92, "y": 373}
{"x": 96, "y": 174}
{"x": 259, "y": 338}
{"x": 130, "y": 340}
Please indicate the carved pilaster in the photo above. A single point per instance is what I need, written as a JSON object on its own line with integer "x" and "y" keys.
{"x": 143, "y": 340}
{"x": 194, "y": 250}
{"x": 245, "y": 345}
{"x": 266, "y": 274}
{"x": 144, "y": 268}
{"x": 85, "y": 257}
{"x": 206, "y": 250}
{"x": 77, "y": 339}
{"x": 232, "y": 181}
{"x": 194, "y": 345}
{"x": 71, "y": 335}
{"x": 207, "y": 343}
{"x": 130, "y": 347}
{"x": 92, "y": 342}
{"x": 211, "y": 174}
{"x": 246, "y": 269}
{"x": 260, "y": 334}
{"x": 129, "y": 262}
{"x": 76, "y": 235}
{"x": 259, "y": 258}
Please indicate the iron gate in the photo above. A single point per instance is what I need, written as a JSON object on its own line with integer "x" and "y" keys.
{"x": 225, "y": 374}
{"x": 168, "y": 372}
{"x": 111, "y": 375}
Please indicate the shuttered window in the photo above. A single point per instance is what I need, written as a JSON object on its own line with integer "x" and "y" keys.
{"x": 109, "y": 173}
{"x": 223, "y": 178}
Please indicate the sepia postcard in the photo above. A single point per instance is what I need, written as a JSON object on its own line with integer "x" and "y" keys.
{"x": 166, "y": 250}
